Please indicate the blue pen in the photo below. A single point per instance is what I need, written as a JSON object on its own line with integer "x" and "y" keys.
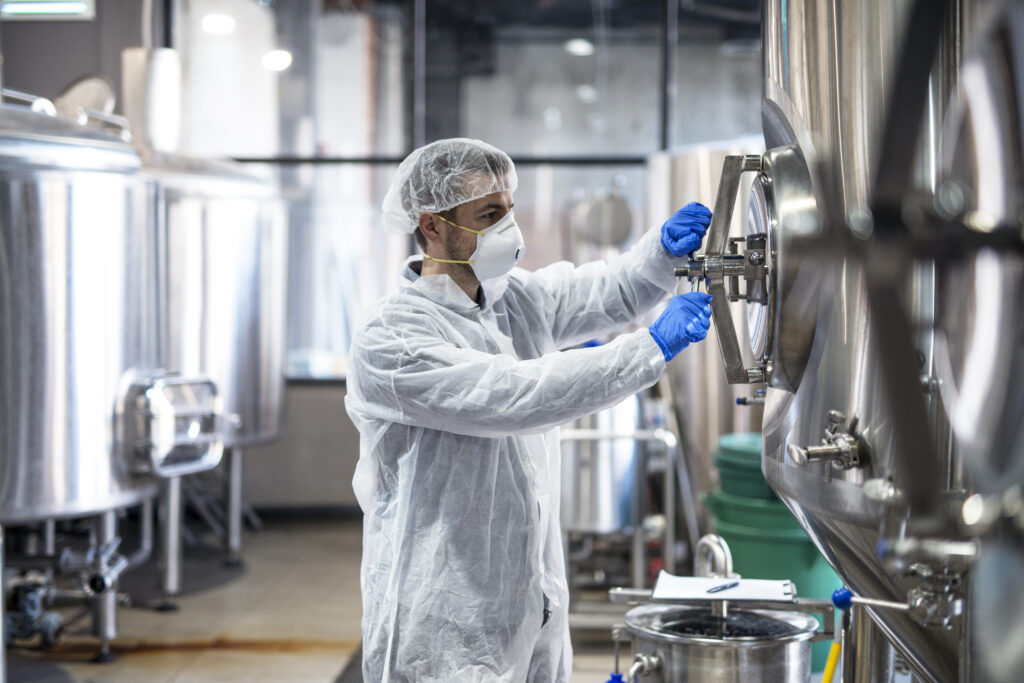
{"x": 724, "y": 586}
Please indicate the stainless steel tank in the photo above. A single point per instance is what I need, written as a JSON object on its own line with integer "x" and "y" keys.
{"x": 597, "y": 475}
{"x": 828, "y": 71}
{"x": 226, "y": 260}
{"x": 980, "y": 349}
{"x": 831, "y": 448}
{"x": 79, "y": 315}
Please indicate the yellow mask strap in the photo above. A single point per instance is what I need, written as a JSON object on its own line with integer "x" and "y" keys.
{"x": 477, "y": 232}
{"x": 445, "y": 260}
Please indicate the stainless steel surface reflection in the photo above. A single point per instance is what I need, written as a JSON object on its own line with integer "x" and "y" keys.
{"x": 226, "y": 257}
{"x": 79, "y": 315}
{"x": 828, "y": 69}
{"x": 980, "y": 356}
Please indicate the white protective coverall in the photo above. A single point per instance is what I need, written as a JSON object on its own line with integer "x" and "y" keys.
{"x": 457, "y": 406}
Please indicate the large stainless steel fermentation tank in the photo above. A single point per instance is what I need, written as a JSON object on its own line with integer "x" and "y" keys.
{"x": 89, "y": 414}
{"x": 79, "y": 300}
{"x": 225, "y": 261}
{"x": 884, "y": 289}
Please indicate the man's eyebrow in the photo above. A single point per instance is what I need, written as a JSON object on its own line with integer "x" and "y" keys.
{"x": 488, "y": 207}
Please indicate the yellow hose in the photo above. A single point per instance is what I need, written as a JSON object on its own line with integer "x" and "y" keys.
{"x": 830, "y": 665}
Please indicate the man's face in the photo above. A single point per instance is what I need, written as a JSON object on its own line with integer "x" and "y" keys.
{"x": 478, "y": 214}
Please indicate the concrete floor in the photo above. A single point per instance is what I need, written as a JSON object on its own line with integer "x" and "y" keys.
{"x": 292, "y": 615}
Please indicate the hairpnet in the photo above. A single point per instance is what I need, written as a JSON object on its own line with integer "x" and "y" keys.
{"x": 443, "y": 175}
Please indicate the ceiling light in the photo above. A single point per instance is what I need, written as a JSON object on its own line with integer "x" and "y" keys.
{"x": 587, "y": 93}
{"x": 581, "y": 47}
{"x": 48, "y": 9}
{"x": 277, "y": 60}
{"x": 218, "y": 24}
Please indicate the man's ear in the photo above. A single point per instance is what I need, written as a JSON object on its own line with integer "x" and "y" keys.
{"x": 429, "y": 227}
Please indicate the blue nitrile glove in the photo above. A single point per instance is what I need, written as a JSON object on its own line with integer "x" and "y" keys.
{"x": 685, "y": 320}
{"x": 683, "y": 233}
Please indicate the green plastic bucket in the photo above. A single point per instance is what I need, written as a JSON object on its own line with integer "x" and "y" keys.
{"x": 760, "y": 552}
{"x": 752, "y": 512}
{"x": 738, "y": 460}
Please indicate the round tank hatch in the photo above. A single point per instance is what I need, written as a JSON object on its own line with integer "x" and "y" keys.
{"x": 761, "y": 313}
{"x": 781, "y": 219}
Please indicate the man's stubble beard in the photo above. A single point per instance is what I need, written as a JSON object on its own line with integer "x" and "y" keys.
{"x": 460, "y": 270}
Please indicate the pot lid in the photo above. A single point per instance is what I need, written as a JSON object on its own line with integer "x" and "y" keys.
{"x": 699, "y": 625}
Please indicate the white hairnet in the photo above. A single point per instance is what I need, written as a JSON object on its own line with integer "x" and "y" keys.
{"x": 443, "y": 175}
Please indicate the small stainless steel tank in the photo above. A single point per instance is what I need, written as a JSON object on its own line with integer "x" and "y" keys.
{"x": 749, "y": 646}
{"x": 79, "y": 315}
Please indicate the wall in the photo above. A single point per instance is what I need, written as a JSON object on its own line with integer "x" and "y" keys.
{"x": 44, "y": 57}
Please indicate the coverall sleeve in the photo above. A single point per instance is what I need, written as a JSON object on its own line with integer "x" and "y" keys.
{"x": 599, "y": 298}
{"x": 426, "y": 382}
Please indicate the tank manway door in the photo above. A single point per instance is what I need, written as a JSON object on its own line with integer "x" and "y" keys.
{"x": 781, "y": 304}
{"x": 172, "y": 425}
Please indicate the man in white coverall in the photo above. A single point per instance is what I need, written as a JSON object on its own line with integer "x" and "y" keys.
{"x": 457, "y": 384}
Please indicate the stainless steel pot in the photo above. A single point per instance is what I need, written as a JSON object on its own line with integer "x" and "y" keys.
{"x": 79, "y": 306}
{"x": 688, "y": 644}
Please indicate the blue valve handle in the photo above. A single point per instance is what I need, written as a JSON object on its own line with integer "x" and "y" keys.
{"x": 842, "y": 598}
{"x": 616, "y": 678}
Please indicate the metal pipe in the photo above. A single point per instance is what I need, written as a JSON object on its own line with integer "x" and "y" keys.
{"x": 170, "y": 539}
{"x": 638, "y": 554}
{"x": 145, "y": 548}
{"x": 669, "y": 49}
{"x": 669, "y": 552}
{"x": 50, "y": 537}
{"x": 105, "y": 608}
{"x": 689, "y": 506}
{"x": 75, "y": 596}
{"x": 419, "y": 73}
{"x": 234, "y": 507}
{"x": 867, "y": 655}
{"x": 712, "y": 557}
{"x": 147, "y": 24}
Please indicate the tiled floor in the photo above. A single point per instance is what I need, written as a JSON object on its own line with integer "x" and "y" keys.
{"x": 292, "y": 615}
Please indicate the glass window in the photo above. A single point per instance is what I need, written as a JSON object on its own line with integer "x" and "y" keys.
{"x": 340, "y": 261}
{"x": 296, "y": 78}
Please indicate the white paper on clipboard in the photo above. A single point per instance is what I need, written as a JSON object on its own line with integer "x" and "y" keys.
{"x": 671, "y": 587}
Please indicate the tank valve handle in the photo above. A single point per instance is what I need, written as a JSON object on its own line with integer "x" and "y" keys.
{"x": 844, "y": 599}
{"x": 643, "y": 665}
{"x": 841, "y": 448}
